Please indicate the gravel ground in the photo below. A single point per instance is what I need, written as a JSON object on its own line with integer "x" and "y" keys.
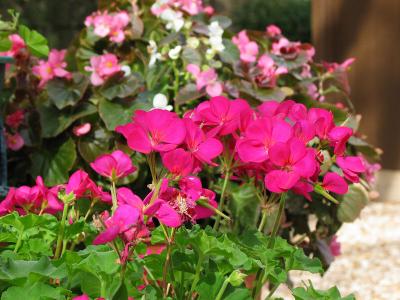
{"x": 369, "y": 265}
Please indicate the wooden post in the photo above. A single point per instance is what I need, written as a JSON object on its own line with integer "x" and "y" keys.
{"x": 369, "y": 31}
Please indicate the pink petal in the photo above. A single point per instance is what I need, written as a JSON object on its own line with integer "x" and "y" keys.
{"x": 335, "y": 183}
{"x": 106, "y": 236}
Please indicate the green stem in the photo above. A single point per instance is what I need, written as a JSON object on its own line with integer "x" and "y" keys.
{"x": 170, "y": 241}
{"x": 61, "y": 232}
{"x": 277, "y": 222}
{"x": 103, "y": 291}
{"x": 197, "y": 274}
{"x": 261, "y": 273}
{"x": 272, "y": 291}
{"x": 19, "y": 241}
{"x": 90, "y": 209}
{"x": 222, "y": 200}
{"x": 222, "y": 289}
{"x": 263, "y": 220}
{"x": 114, "y": 197}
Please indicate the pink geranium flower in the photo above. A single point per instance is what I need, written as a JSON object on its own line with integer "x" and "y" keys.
{"x": 81, "y": 297}
{"x": 260, "y": 135}
{"x": 53, "y": 67}
{"x": 268, "y": 71}
{"x": 335, "y": 183}
{"x": 155, "y": 130}
{"x": 207, "y": 79}
{"x": 248, "y": 49}
{"x": 219, "y": 116}
{"x": 351, "y": 167}
{"x": 203, "y": 149}
{"x": 15, "y": 119}
{"x": 102, "y": 68}
{"x": 113, "y": 166}
{"x": 14, "y": 141}
{"x": 294, "y": 162}
{"x": 78, "y": 183}
{"x": 124, "y": 218}
{"x": 338, "y": 137}
{"x": 178, "y": 162}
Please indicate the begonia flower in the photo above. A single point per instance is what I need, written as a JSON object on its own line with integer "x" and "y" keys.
{"x": 102, "y": 67}
{"x": 207, "y": 79}
{"x": 247, "y": 48}
{"x": 14, "y": 141}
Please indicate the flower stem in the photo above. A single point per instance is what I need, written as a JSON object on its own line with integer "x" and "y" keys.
{"x": 222, "y": 200}
{"x": 60, "y": 237}
{"x": 222, "y": 289}
{"x": 114, "y": 197}
{"x": 170, "y": 241}
{"x": 263, "y": 221}
{"x": 19, "y": 241}
{"x": 197, "y": 274}
{"x": 261, "y": 273}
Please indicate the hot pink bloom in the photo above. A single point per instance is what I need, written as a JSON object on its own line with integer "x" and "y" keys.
{"x": 204, "y": 149}
{"x": 82, "y": 297}
{"x": 248, "y": 49}
{"x": 82, "y": 129}
{"x": 273, "y": 30}
{"x": 124, "y": 219}
{"x": 49, "y": 197}
{"x": 78, "y": 183}
{"x": 14, "y": 141}
{"x": 28, "y": 198}
{"x": 334, "y": 246}
{"x": 294, "y": 161}
{"x": 113, "y": 166}
{"x": 111, "y": 25}
{"x": 178, "y": 162}
{"x": 338, "y": 137}
{"x": 219, "y": 116}
{"x": 260, "y": 135}
{"x": 53, "y": 67}
{"x": 276, "y": 109}
{"x": 17, "y": 43}
{"x": 7, "y": 204}
{"x": 102, "y": 67}
{"x": 335, "y": 183}
{"x": 351, "y": 167}
{"x": 15, "y": 119}
{"x": 155, "y": 130}
{"x": 207, "y": 79}
{"x": 322, "y": 120}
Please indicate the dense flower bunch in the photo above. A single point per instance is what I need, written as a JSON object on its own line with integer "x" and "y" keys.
{"x": 290, "y": 134}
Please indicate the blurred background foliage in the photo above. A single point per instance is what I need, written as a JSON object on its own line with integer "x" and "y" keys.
{"x": 60, "y": 21}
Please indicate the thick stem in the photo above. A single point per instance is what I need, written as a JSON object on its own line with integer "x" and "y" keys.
{"x": 61, "y": 232}
{"x": 19, "y": 241}
{"x": 197, "y": 274}
{"x": 222, "y": 289}
{"x": 222, "y": 199}
{"x": 263, "y": 220}
{"x": 114, "y": 197}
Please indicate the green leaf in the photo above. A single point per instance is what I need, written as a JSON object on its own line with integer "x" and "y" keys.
{"x": 65, "y": 93}
{"x": 119, "y": 112}
{"x": 54, "y": 164}
{"x": 36, "y": 43}
{"x": 188, "y": 93}
{"x": 191, "y": 56}
{"x": 352, "y": 204}
{"x": 34, "y": 291}
{"x": 5, "y": 43}
{"x": 244, "y": 206}
{"x": 231, "y": 54}
{"x": 223, "y": 21}
{"x": 54, "y": 121}
{"x": 121, "y": 88}
{"x": 309, "y": 293}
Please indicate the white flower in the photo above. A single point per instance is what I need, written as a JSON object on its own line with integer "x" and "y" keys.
{"x": 160, "y": 101}
{"x": 193, "y": 42}
{"x": 174, "y": 52}
{"x": 173, "y": 18}
{"x": 215, "y": 32}
{"x": 153, "y": 51}
{"x": 127, "y": 70}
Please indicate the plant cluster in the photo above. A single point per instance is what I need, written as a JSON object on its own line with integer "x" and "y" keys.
{"x": 183, "y": 199}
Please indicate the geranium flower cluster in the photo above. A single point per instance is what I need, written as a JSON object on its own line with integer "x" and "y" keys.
{"x": 52, "y": 68}
{"x": 109, "y": 25}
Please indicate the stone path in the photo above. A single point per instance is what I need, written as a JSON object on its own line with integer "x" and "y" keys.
{"x": 369, "y": 265}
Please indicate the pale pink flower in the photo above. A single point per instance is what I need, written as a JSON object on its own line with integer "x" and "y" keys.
{"x": 207, "y": 79}
{"x": 269, "y": 71}
{"x": 111, "y": 25}
{"x": 248, "y": 49}
{"x": 273, "y": 30}
{"x": 17, "y": 43}
{"x": 102, "y": 67}
{"x": 82, "y": 129}
{"x": 14, "y": 141}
